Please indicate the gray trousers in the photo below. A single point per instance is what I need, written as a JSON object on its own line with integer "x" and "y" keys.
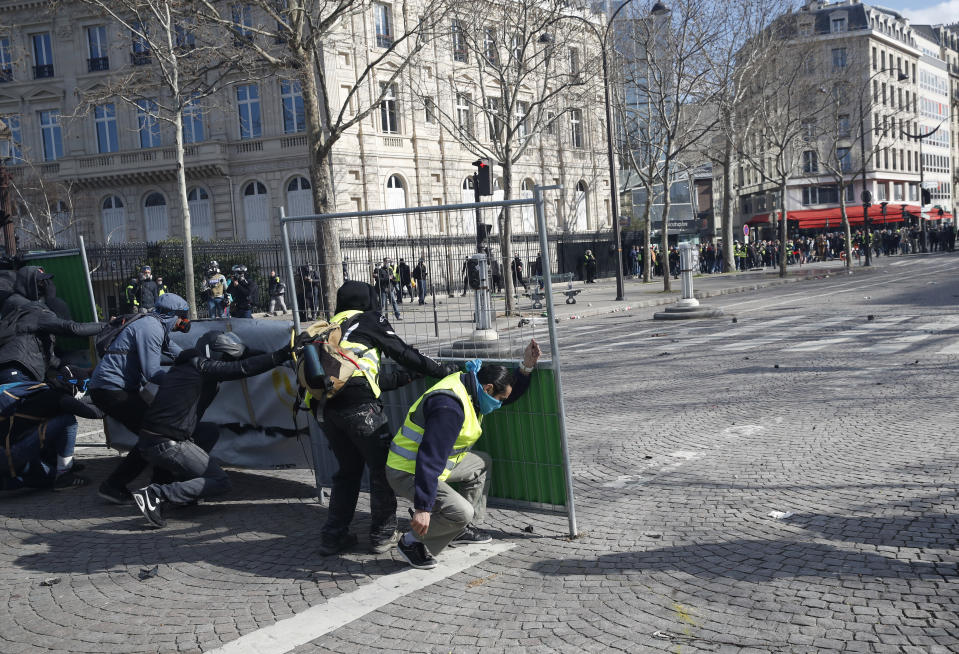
{"x": 452, "y": 510}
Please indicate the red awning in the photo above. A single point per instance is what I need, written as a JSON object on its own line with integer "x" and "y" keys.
{"x": 759, "y": 219}
{"x": 832, "y": 217}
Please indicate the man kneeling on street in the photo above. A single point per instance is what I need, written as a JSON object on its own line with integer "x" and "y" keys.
{"x": 172, "y": 437}
{"x": 432, "y": 451}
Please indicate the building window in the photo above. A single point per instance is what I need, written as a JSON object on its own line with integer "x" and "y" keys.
{"x": 805, "y": 29}
{"x": 185, "y": 37}
{"x": 140, "y": 56}
{"x": 16, "y": 148}
{"x": 494, "y": 111}
{"x": 810, "y": 161}
{"x": 6, "y": 61}
{"x": 389, "y": 114}
{"x": 574, "y": 65}
{"x": 42, "y": 56}
{"x": 242, "y": 23}
{"x": 550, "y": 128}
{"x": 105, "y": 118}
{"x": 193, "y": 122}
{"x": 522, "y": 109}
{"x": 881, "y": 192}
{"x": 809, "y": 129}
{"x": 576, "y": 128}
{"x": 837, "y": 25}
{"x": 51, "y": 135}
{"x": 248, "y": 106}
{"x": 844, "y": 157}
{"x": 148, "y": 123}
{"x": 98, "y": 50}
{"x": 458, "y": 37}
{"x": 843, "y": 126}
{"x": 490, "y": 50}
{"x": 898, "y": 194}
{"x": 294, "y": 118}
{"x": 838, "y": 58}
{"x": 464, "y": 114}
{"x": 517, "y": 46}
{"x": 430, "y": 105}
{"x": 383, "y": 21}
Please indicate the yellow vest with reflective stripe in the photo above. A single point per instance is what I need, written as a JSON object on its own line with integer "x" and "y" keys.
{"x": 407, "y": 441}
{"x": 367, "y": 357}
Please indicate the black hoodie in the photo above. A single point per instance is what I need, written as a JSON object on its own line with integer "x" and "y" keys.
{"x": 375, "y": 331}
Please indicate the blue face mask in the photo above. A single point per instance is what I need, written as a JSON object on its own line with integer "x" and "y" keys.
{"x": 487, "y": 403}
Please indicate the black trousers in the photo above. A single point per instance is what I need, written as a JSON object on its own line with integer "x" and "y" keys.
{"x": 128, "y": 408}
{"x": 360, "y": 438}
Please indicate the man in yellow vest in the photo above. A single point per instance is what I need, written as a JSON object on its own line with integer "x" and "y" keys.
{"x": 432, "y": 451}
{"x": 354, "y": 421}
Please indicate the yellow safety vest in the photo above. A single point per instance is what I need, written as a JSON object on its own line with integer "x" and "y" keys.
{"x": 407, "y": 441}
{"x": 367, "y": 357}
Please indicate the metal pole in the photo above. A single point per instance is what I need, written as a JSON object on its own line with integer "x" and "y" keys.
{"x": 554, "y": 353}
{"x": 922, "y": 181}
{"x": 291, "y": 280}
{"x": 865, "y": 191}
{"x": 613, "y": 183}
{"x": 86, "y": 274}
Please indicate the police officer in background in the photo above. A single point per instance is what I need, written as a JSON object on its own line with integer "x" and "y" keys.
{"x": 147, "y": 292}
{"x": 243, "y": 291}
{"x": 354, "y": 421}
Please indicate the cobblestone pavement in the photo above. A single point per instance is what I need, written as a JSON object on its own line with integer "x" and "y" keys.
{"x": 830, "y": 402}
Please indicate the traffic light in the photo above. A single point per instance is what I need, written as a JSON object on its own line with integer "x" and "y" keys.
{"x": 484, "y": 177}
{"x": 926, "y": 196}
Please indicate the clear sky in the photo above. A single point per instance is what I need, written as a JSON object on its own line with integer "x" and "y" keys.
{"x": 924, "y": 11}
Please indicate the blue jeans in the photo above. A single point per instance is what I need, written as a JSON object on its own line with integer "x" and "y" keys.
{"x": 215, "y": 307}
{"x": 60, "y": 439}
{"x": 421, "y": 289}
{"x": 388, "y": 295}
{"x": 196, "y": 474}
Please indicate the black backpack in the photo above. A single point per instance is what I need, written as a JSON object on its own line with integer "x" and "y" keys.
{"x": 111, "y": 330}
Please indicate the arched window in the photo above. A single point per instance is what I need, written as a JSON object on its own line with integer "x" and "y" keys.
{"x": 396, "y": 199}
{"x": 299, "y": 202}
{"x": 528, "y": 213}
{"x": 256, "y": 210}
{"x": 114, "y": 219}
{"x": 155, "y": 217}
{"x": 201, "y": 215}
{"x": 581, "y": 212}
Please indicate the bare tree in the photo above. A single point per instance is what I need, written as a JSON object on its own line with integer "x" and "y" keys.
{"x": 46, "y": 209}
{"x": 783, "y": 98}
{"x": 174, "y": 65}
{"x": 295, "y": 38}
{"x": 672, "y": 74}
{"x": 519, "y": 70}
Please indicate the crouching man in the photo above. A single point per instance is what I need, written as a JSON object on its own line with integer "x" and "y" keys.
{"x": 172, "y": 437}
{"x": 432, "y": 451}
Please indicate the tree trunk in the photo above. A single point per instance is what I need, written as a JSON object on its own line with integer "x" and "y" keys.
{"x": 506, "y": 234}
{"x": 327, "y": 231}
{"x": 847, "y": 246}
{"x": 647, "y": 235}
{"x": 783, "y": 229}
{"x": 665, "y": 232}
{"x": 728, "y": 260}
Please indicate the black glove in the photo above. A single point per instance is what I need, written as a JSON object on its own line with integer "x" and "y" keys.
{"x": 282, "y": 355}
{"x": 303, "y": 339}
{"x": 452, "y": 368}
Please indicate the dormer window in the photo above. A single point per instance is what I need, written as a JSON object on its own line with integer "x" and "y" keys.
{"x": 837, "y": 24}
{"x": 805, "y": 29}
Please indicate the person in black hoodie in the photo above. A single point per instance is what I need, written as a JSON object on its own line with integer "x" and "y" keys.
{"x": 29, "y": 354}
{"x": 243, "y": 291}
{"x": 172, "y": 437}
{"x": 354, "y": 421}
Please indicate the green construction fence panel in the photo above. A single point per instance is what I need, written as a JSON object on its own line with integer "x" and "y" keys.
{"x": 71, "y": 282}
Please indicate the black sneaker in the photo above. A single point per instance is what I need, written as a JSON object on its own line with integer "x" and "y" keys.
{"x": 149, "y": 504}
{"x": 380, "y": 544}
{"x": 115, "y": 494}
{"x": 69, "y": 480}
{"x": 335, "y": 546}
{"x": 416, "y": 555}
{"x": 471, "y": 535}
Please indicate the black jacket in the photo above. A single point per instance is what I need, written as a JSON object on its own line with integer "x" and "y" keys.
{"x": 375, "y": 331}
{"x": 31, "y": 349}
{"x": 147, "y": 293}
{"x": 190, "y": 386}
{"x": 244, "y": 293}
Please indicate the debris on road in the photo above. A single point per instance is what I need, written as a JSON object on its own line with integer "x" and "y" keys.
{"x": 50, "y": 581}
{"x": 780, "y": 515}
{"x": 149, "y": 573}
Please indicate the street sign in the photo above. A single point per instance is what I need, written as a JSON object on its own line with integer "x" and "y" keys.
{"x": 746, "y": 231}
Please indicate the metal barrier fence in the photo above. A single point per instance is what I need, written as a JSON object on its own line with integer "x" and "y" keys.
{"x": 431, "y": 312}
{"x": 112, "y": 265}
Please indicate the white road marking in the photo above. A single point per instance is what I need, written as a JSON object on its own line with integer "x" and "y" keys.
{"x": 814, "y": 346}
{"x": 950, "y": 349}
{"x": 286, "y": 635}
{"x": 897, "y": 344}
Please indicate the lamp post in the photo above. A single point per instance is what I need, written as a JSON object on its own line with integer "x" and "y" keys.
{"x": 884, "y": 204}
{"x": 922, "y": 180}
{"x": 658, "y": 9}
{"x": 6, "y": 212}
{"x": 866, "y": 196}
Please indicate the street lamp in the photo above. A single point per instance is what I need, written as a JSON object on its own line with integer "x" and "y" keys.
{"x": 6, "y": 213}
{"x": 866, "y": 196}
{"x": 658, "y": 9}
{"x": 922, "y": 179}
{"x": 884, "y": 204}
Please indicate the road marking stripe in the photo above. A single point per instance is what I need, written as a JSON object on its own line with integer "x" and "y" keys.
{"x": 896, "y": 344}
{"x": 319, "y": 620}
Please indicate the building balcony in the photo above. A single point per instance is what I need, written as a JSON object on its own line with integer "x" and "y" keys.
{"x": 43, "y": 71}
{"x": 97, "y": 64}
{"x": 141, "y": 58}
{"x": 6, "y": 74}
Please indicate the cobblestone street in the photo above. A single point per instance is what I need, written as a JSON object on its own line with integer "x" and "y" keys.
{"x": 784, "y": 482}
